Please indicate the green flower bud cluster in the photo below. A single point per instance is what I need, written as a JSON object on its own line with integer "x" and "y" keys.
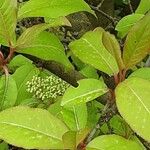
{"x": 46, "y": 88}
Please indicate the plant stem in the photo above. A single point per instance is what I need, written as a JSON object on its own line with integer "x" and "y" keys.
{"x": 130, "y": 6}
{"x": 116, "y": 79}
{"x": 107, "y": 113}
{"x": 100, "y": 4}
{"x": 113, "y": 20}
{"x": 11, "y": 53}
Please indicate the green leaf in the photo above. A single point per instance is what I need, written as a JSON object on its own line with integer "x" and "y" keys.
{"x": 30, "y": 34}
{"x": 89, "y": 72}
{"x": 143, "y": 73}
{"x": 88, "y": 90}
{"x": 19, "y": 61}
{"x": 138, "y": 140}
{"x": 8, "y": 92}
{"x": 94, "y": 108}
{"x": 75, "y": 117}
{"x": 134, "y": 94}
{"x": 58, "y": 21}
{"x": 72, "y": 138}
{"x": 8, "y": 20}
{"x": 143, "y": 7}
{"x": 22, "y": 75}
{"x": 55, "y": 109}
{"x": 119, "y": 126}
{"x": 112, "y": 45}
{"x": 31, "y": 102}
{"x": 47, "y": 47}
{"x": 112, "y": 142}
{"x": 137, "y": 44}
{"x": 125, "y": 24}
{"x": 4, "y": 146}
{"x": 31, "y": 128}
{"x": 52, "y": 9}
{"x": 91, "y": 50}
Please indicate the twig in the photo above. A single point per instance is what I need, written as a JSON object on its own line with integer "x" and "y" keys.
{"x": 130, "y": 6}
{"x": 6, "y": 71}
{"x": 100, "y": 4}
{"x": 103, "y": 119}
{"x": 113, "y": 20}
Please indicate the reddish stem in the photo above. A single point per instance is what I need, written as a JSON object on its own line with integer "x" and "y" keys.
{"x": 116, "y": 79}
{"x": 11, "y": 53}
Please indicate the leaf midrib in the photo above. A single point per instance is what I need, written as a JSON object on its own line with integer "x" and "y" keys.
{"x": 98, "y": 54}
{"x": 132, "y": 90}
{"x": 39, "y": 45}
{"x": 29, "y": 128}
{"x": 83, "y": 95}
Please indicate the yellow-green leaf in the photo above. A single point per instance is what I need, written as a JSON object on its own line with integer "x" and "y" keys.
{"x": 75, "y": 117}
{"x": 143, "y": 73}
{"x": 137, "y": 44}
{"x": 132, "y": 98}
{"x": 90, "y": 50}
{"x": 8, "y": 20}
{"x": 52, "y": 8}
{"x": 21, "y": 76}
{"x": 143, "y": 7}
{"x": 112, "y": 45}
{"x": 112, "y": 142}
{"x": 88, "y": 90}
{"x": 126, "y": 23}
{"x": 8, "y": 92}
{"x": 45, "y": 46}
{"x": 31, "y": 128}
